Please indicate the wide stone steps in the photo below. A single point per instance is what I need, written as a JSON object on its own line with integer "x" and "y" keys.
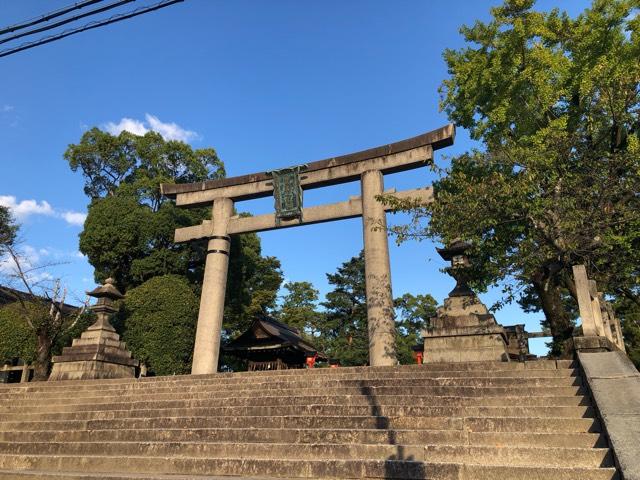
{"x": 315, "y": 435}
{"x": 316, "y": 410}
{"x": 197, "y": 401}
{"x": 476, "y": 424}
{"x": 578, "y": 457}
{"x": 503, "y": 421}
{"x": 284, "y": 468}
{"x": 308, "y": 386}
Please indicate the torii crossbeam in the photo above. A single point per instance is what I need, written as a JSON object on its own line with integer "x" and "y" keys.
{"x": 368, "y": 166}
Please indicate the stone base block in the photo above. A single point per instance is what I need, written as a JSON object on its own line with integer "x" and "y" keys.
{"x": 90, "y": 370}
{"x": 467, "y": 348}
{"x": 593, "y": 344}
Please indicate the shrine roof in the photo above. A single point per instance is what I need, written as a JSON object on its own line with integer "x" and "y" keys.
{"x": 273, "y": 334}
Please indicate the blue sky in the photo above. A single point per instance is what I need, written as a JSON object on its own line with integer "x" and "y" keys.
{"x": 267, "y": 84}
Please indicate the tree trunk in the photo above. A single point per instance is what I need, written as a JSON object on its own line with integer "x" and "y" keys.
{"x": 558, "y": 318}
{"x": 43, "y": 358}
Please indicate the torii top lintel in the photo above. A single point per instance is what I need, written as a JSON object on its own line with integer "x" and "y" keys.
{"x": 395, "y": 157}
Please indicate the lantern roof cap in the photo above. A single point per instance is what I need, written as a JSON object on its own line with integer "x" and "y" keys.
{"x": 107, "y": 290}
{"x": 456, "y": 247}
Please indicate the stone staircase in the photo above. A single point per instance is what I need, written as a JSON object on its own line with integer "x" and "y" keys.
{"x": 506, "y": 421}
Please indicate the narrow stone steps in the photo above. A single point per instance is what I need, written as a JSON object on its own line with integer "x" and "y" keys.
{"x": 204, "y": 400}
{"x": 315, "y": 435}
{"x": 474, "y": 424}
{"x": 51, "y": 414}
{"x": 325, "y": 469}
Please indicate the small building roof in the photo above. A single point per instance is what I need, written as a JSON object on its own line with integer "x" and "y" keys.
{"x": 266, "y": 333}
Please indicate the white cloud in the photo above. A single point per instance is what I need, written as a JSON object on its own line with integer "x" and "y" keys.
{"x": 169, "y": 131}
{"x": 8, "y": 108}
{"x": 25, "y": 208}
{"x": 129, "y": 124}
{"x": 74, "y": 218}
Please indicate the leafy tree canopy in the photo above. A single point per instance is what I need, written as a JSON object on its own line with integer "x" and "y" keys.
{"x": 299, "y": 308}
{"x": 414, "y": 314}
{"x": 139, "y": 164}
{"x": 555, "y": 102}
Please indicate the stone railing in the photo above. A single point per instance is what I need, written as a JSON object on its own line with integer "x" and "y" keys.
{"x": 25, "y": 369}
{"x": 598, "y": 318}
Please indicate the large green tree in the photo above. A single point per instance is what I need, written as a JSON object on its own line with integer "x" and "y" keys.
{"x": 128, "y": 234}
{"x": 555, "y": 103}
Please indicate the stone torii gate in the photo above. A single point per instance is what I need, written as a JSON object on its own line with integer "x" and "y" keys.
{"x": 287, "y": 185}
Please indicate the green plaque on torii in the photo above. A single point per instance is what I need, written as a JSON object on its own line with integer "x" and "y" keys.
{"x": 287, "y": 192}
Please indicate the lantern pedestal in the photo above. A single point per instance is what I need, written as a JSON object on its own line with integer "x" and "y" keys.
{"x": 463, "y": 330}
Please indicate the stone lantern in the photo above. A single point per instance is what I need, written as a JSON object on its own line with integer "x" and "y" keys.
{"x": 456, "y": 253}
{"x": 463, "y": 330}
{"x": 98, "y": 353}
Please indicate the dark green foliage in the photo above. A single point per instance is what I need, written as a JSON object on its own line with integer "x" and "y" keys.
{"x": 629, "y": 313}
{"x": 136, "y": 165}
{"x": 344, "y": 326}
{"x": 414, "y": 314}
{"x": 252, "y": 285}
{"x": 128, "y": 241}
{"x": 17, "y": 340}
{"x": 299, "y": 308}
{"x": 157, "y": 321}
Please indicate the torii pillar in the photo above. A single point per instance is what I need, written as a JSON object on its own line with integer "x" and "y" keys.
{"x": 380, "y": 313}
{"x": 214, "y": 285}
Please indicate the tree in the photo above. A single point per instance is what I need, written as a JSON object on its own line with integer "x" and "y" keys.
{"x": 414, "y": 314}
{"x": 299, "y": 308}
{"x": 555, "y": 102}
{"x": 138, "y": 164}
{"x": 8, "y": 229}
{"x": 157, "y": 320}
{"x": 344, "y": 329}
{"x": 629, "y": 314}
{"x": 42, "y": 309}
{"x": 129, "y": 230}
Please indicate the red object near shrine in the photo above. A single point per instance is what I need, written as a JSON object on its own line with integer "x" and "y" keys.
{"x": 419, "y": 356}
{"x": 311, "y": 360}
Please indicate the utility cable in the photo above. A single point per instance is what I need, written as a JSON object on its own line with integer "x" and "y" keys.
{"x": 48, "y": 16}
{"x": 65, "y": 21}
{"x": 88, "y": 26}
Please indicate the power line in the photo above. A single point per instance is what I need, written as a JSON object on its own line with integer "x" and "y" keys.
{"x": 88, "y": 26}
{"x": 65, "y": 21}
{"x": 48, "y": 16}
